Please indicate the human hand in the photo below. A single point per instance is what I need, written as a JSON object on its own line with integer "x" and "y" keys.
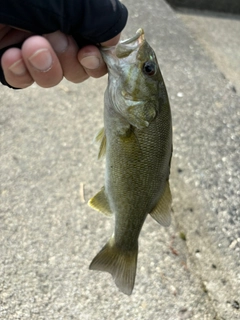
{"x": 47, "y": 59}
{"x": 61, "y": 40}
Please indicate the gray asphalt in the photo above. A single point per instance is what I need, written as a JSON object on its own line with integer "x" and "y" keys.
{"x": 49, "y": 169}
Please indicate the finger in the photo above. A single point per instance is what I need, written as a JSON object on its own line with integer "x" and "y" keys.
{"x": 42, "y": 62}
{"x": 15, "y": 71}
{"x": 91, "y": 58}
{"x": 92, "y": 61}
{"x": 67, "y": 51}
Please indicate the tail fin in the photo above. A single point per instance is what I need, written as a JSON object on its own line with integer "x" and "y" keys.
{"x": 121, "y": 264}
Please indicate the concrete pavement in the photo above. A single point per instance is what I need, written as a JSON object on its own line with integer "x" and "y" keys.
{"x": 49, "y": 169}
{"x": 226, "y": 6}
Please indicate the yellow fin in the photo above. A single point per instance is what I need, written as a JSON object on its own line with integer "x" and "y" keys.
{"x": 101, "y": 137}
{"x": 162, "y": 211}
{"x": 100, "y": 203}
{"x": 121, "y": 264}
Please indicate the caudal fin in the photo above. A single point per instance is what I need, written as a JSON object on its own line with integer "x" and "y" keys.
{"x": 121, "y": 264}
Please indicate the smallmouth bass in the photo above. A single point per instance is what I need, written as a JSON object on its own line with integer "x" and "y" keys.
{"x": 137, "y": 141}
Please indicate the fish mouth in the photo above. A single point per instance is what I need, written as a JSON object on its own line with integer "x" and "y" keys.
{"x": 125, "y": 47}
{"x": 138, "y": 36}
{"x": 114, "y": 56}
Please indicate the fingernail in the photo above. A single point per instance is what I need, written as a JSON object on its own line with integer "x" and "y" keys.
{"x": 58, "y": 41}
{"x": 18, "y": 68}
{"x": 90, "y": 62}
{"x": 41, "y": 60}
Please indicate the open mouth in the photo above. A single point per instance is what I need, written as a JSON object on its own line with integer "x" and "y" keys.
{"x": 123, "y": 49}
{"x": 138, "y": 36}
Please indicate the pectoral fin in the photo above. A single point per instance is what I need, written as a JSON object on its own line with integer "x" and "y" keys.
{"x": 101, "y": 138}
{"x": 162, "y": 211}
{"x": 100, "y": 203}
{"x": 140, "y": 114}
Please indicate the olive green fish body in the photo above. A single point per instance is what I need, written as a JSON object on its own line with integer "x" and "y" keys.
{"x": 137, "y": 140}
{"x": 136, "y": 172}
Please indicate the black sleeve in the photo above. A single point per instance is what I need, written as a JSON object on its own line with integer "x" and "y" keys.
{"x": 93, "y": 20}
{"x": 88, "y": 21}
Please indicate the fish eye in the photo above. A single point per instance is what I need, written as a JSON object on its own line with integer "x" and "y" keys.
{"x": 149, "y": 68}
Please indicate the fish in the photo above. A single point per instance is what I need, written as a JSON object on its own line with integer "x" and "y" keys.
{"x": 137, "y": 142}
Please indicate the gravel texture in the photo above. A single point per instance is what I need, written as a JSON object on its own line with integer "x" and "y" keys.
{"x": 49, "y": 169}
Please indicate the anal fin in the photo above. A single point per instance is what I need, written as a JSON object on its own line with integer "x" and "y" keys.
{"x": 162, "y": 211}
{"x": 100, "y": 203}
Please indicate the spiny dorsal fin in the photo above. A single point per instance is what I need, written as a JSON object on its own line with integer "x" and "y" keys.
{"x": 101, "y": 137}
{"x": 120, "y": 263}
{"x": 162, "y": 211}
{"x": 100, "y": 203}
